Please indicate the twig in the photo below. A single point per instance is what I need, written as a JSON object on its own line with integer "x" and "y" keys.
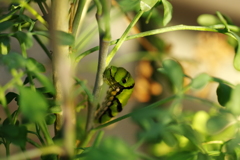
{"x": 103, "y": 19}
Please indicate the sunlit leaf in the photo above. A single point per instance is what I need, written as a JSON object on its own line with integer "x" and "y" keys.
{"x": 218, "y": 123}
{"x": 208, "y": 20}
{"x": 199, "y": 121}
{"x": 127, "y": 5}
{"x": 167, "y": 12}
{"x": 236, "y": 62}
{"x": 201, "y": 81}
{"x": 33, "y": 65}
{"x": 4, "y": 44}
{"x": 146, "y": 5}
{"x": 234, "y": 103}
{"x": 32, "y": 104}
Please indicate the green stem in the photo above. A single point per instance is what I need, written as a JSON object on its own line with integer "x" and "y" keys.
{"x": 156, "y": 104}
{"x": 103, "y": 19}
{"x": 205, "y": 101}
{"x": 214, "y": 28}
{"x": 24, "y": 51}
{"x": 33, "y": 143}
{"x": 42, "y": 9}
{"x": 43, "y": 46}
{"x": 123, "y": 37}
{"x": 43, "y": 126}
{"x": 79, "y": 17}
{"x": 38, "y": 134}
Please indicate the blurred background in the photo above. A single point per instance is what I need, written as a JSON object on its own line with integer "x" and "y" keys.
{"x": 196, "y": 51}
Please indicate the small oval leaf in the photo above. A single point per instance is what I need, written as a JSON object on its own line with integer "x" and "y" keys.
{"x": 208, "y": 20}
{"x": 175, "y": 73}
{"x": 218, "y": 123}
{"x": 24, "y": 38}
{"x": 167, "y": 16}
{"x": 223, "y": 93}
{"x": 201, "y": 81}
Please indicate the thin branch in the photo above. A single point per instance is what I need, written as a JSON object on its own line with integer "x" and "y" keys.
{"x": 43, "y": 46}
{"x": 103, "y": 19}
{"x": 80, "y": 15}
{"x": 214, "y": 28}
{"x": 123, "y": 37}
{"x": 156, "y": 104}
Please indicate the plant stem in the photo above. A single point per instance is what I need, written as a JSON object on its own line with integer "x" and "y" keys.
{"x": 214, "y": 28}
{"x": 103, "y": 19}
{"x": 42, "y": 9}
{"x": 123, "y": 37}
{"x": 43, "y": 126}
{"x": 33, "y": 153}
{"x": 43, "y": 46}
{"x": 63, "y": 71}
{"x": 156, "y": 104}
{"x": 79, "y": 16}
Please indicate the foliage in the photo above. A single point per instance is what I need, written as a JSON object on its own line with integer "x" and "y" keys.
{"x": 43, "y": 102}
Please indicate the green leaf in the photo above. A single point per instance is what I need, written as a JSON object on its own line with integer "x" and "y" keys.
{"x": 175, "y": 73}
{"x": 223, "y": 20}
{"x": 4, "y": 44}
{"x": 233, "y": 144}
{"x": 208, "y": 20}
{"x": 112, "y": 149}
{"x": 218, "y": 123}
{"x": 191, "y": 134}
{"x": 127, "y": 5}
{"x": 223, "y": 93}
{"x": 167, "y": 12}
{"x": 13, "y": 60}
{"x": 234, "y": 104}
{"x": 202, "y": 156}
{"x": 65, "y": 38}
{"x": 33, "y": 65}
{"x": 199, "y": 121}
{"x": 146, "y": 5}
{"x": 46, "y": 82}
{"x": 9, "y": 15}
{"x": 5, "y": 25}
{"x": 50, "y": 119}
{"x": 10, "y": 96}
{"x": 41, "y": 33}
{"x": 236, "y": 62}
{"x": 201, "y": 81}
{"x": 32, "y": 104}
{"x": 24, "y": 38}
{"x": 14, "y": 134}
{"x": 183, "y": 155}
